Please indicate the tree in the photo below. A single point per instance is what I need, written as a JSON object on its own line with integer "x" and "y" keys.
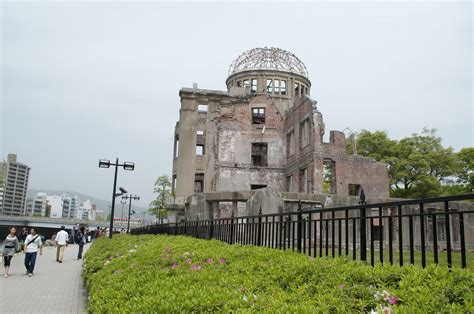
{"x": 465, "y": 171}
{"x": 163, "y": 190}
{"x": 419, "y": 165}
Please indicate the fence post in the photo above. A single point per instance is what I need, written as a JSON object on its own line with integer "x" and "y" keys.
{"x": 300, "y": 227}
{"x": 211, "y": 227}
{"x": 259, "y": 227}
{"x": 363, "y": 235}
{"x": 232, "y": 228}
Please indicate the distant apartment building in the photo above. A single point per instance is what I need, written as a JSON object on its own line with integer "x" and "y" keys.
{"x": 36, "y": 206}
{"x": 85, "y": 210}
{"x": 70, "y": 205}
{"x": 56, "y": 206}
{"x": 15, "y": 185}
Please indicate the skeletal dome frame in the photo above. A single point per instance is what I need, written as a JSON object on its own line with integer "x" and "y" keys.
{"x": 268, "y": 59}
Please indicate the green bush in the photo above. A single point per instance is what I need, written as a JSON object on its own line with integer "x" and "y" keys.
{"x": 143, "y": 274}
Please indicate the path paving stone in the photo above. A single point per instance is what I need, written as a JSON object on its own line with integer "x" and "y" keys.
{"x": 54, "y": 288}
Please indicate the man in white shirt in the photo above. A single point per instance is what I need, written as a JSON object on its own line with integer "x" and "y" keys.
{"x": 61, "y": 243}
{"x": 32, "y": 244}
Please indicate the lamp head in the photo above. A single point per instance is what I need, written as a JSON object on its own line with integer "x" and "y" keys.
{"x": 104, "y": 163}
{"x": 130, "y": 166}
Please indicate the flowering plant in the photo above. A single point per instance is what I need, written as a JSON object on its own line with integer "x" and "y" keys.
{"x": 385, "y": 301}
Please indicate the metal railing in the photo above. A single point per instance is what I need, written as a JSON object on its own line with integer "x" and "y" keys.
{"x": 411, "y": 229}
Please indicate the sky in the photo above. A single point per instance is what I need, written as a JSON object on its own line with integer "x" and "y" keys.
{"x": 83, "y": 81}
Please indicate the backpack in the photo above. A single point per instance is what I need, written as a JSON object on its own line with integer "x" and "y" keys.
{"x": 78, "y": 238}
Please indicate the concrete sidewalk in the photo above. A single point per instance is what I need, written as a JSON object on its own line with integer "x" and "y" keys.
{"x": 54, "y": 288}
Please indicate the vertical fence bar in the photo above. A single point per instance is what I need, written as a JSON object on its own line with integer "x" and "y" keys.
{"x": 259, "y": 227}
{"x": 390, "y": 239}
{"x": 448, "y": 233}
{"x": 381, "y": 234}
{"x": 279, "y": 227}
{"x": 232, "y": 228}
{"x": 321, "y": 234}
{"x": 211, "y": 228}
{"x": 435, "y": 238}
{"x": 422, "y": 235}
{"x": 308, "y": 236}
{"x": 354, "y": 239}
{"x": 400, "y": 235}
{"x": 293, "y": 234}
{"x": 372, "y": 241}
{"x": 463, "y": 241}
{"x": 410, "y": 227}
{"x": 327, "y": 237}
{"x": 300, "y": 228}
{"x": 363, "y": 235}
{"x": 303, "y": 238}
{"x": 315, "y": 237}
{"x": 333, "y": 233}
{"x": 347, "y": 230}
{"x": 339, "y": 237}
{"x": 273, "y": 232}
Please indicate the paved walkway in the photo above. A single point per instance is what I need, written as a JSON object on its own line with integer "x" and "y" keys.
{"x": 54, "y": 288}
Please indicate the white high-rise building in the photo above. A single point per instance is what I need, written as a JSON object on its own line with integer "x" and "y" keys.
{"x": 70, "y": 205}
{"x": 36, "y": 206}
{"x": 85, "y": 210}
{"x": 56, "y": 206}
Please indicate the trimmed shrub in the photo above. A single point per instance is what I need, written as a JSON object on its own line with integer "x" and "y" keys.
{"x": 180, "y": 274}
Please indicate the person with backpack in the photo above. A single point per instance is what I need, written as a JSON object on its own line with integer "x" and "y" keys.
{"x": 10, "y": 246}
{"x": 32, "y": 244}
{"x": 80, "y": 239}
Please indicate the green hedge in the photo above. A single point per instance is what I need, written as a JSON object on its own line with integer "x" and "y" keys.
{"x": 179, "y": 274}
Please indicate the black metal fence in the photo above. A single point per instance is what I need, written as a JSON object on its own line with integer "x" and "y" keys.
{"x": 414, "y": 230}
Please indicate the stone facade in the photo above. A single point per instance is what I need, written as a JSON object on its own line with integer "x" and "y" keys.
{"x": 263, "y": 132}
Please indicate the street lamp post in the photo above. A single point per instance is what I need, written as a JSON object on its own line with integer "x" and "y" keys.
{"x": 123, "y": 202}
{"x": 130, "y": 166}
{"x": 130, "y": 197}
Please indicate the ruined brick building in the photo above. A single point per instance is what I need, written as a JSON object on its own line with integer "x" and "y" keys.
{"x": 260, "y": 144}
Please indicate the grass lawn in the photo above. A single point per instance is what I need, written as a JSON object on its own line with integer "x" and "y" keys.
{"x": 143, "y": 274}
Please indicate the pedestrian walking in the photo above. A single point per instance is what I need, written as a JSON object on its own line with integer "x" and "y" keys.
{"x": 32, "y": 244}
{"x": 10, "y": 247}
{"x": 97, "y": 233}
{"x": 23, "y": 235}
{"x": 61, "y": 244}
{"x": 80, "y": 240}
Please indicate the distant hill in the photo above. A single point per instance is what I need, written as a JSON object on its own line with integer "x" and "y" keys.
{"x": 102, "y": 205}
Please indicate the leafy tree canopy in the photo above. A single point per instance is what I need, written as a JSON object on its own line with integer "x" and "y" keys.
{"x": 163, "y": 189}
{"x": 419, "y": 165}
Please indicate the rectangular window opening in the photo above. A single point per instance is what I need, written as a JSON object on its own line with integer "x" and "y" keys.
{"x": 297, "y": 89}
{"x": 354, "y": 189}
{"x": 198, "y": 183}
{"x": 176, "y": 146}
{"x": 239, "y": 83}
{"x": 289, "y": 183}
{"x": 258, "y": 115}
{"x": 259, "y": 154}
{"x": 257, "y": 186}
{"x": 290, "y": 143}
{"x": 329, "y": 177}
{"x": 303, "y": 186}
{"x": 304, "y": 133}
{"x": 199, "y": 150}
{"x": 270, "y": 86}
{"x": 254, "y": 86}
{"x": 202, "y": 108}
{"x": 246, "y": 83}
{"x": 283, "y": 87}
{"x": 276, "y": 88}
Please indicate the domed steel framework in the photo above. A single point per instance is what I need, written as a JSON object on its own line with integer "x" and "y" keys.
{"x": 268, "y": 59}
